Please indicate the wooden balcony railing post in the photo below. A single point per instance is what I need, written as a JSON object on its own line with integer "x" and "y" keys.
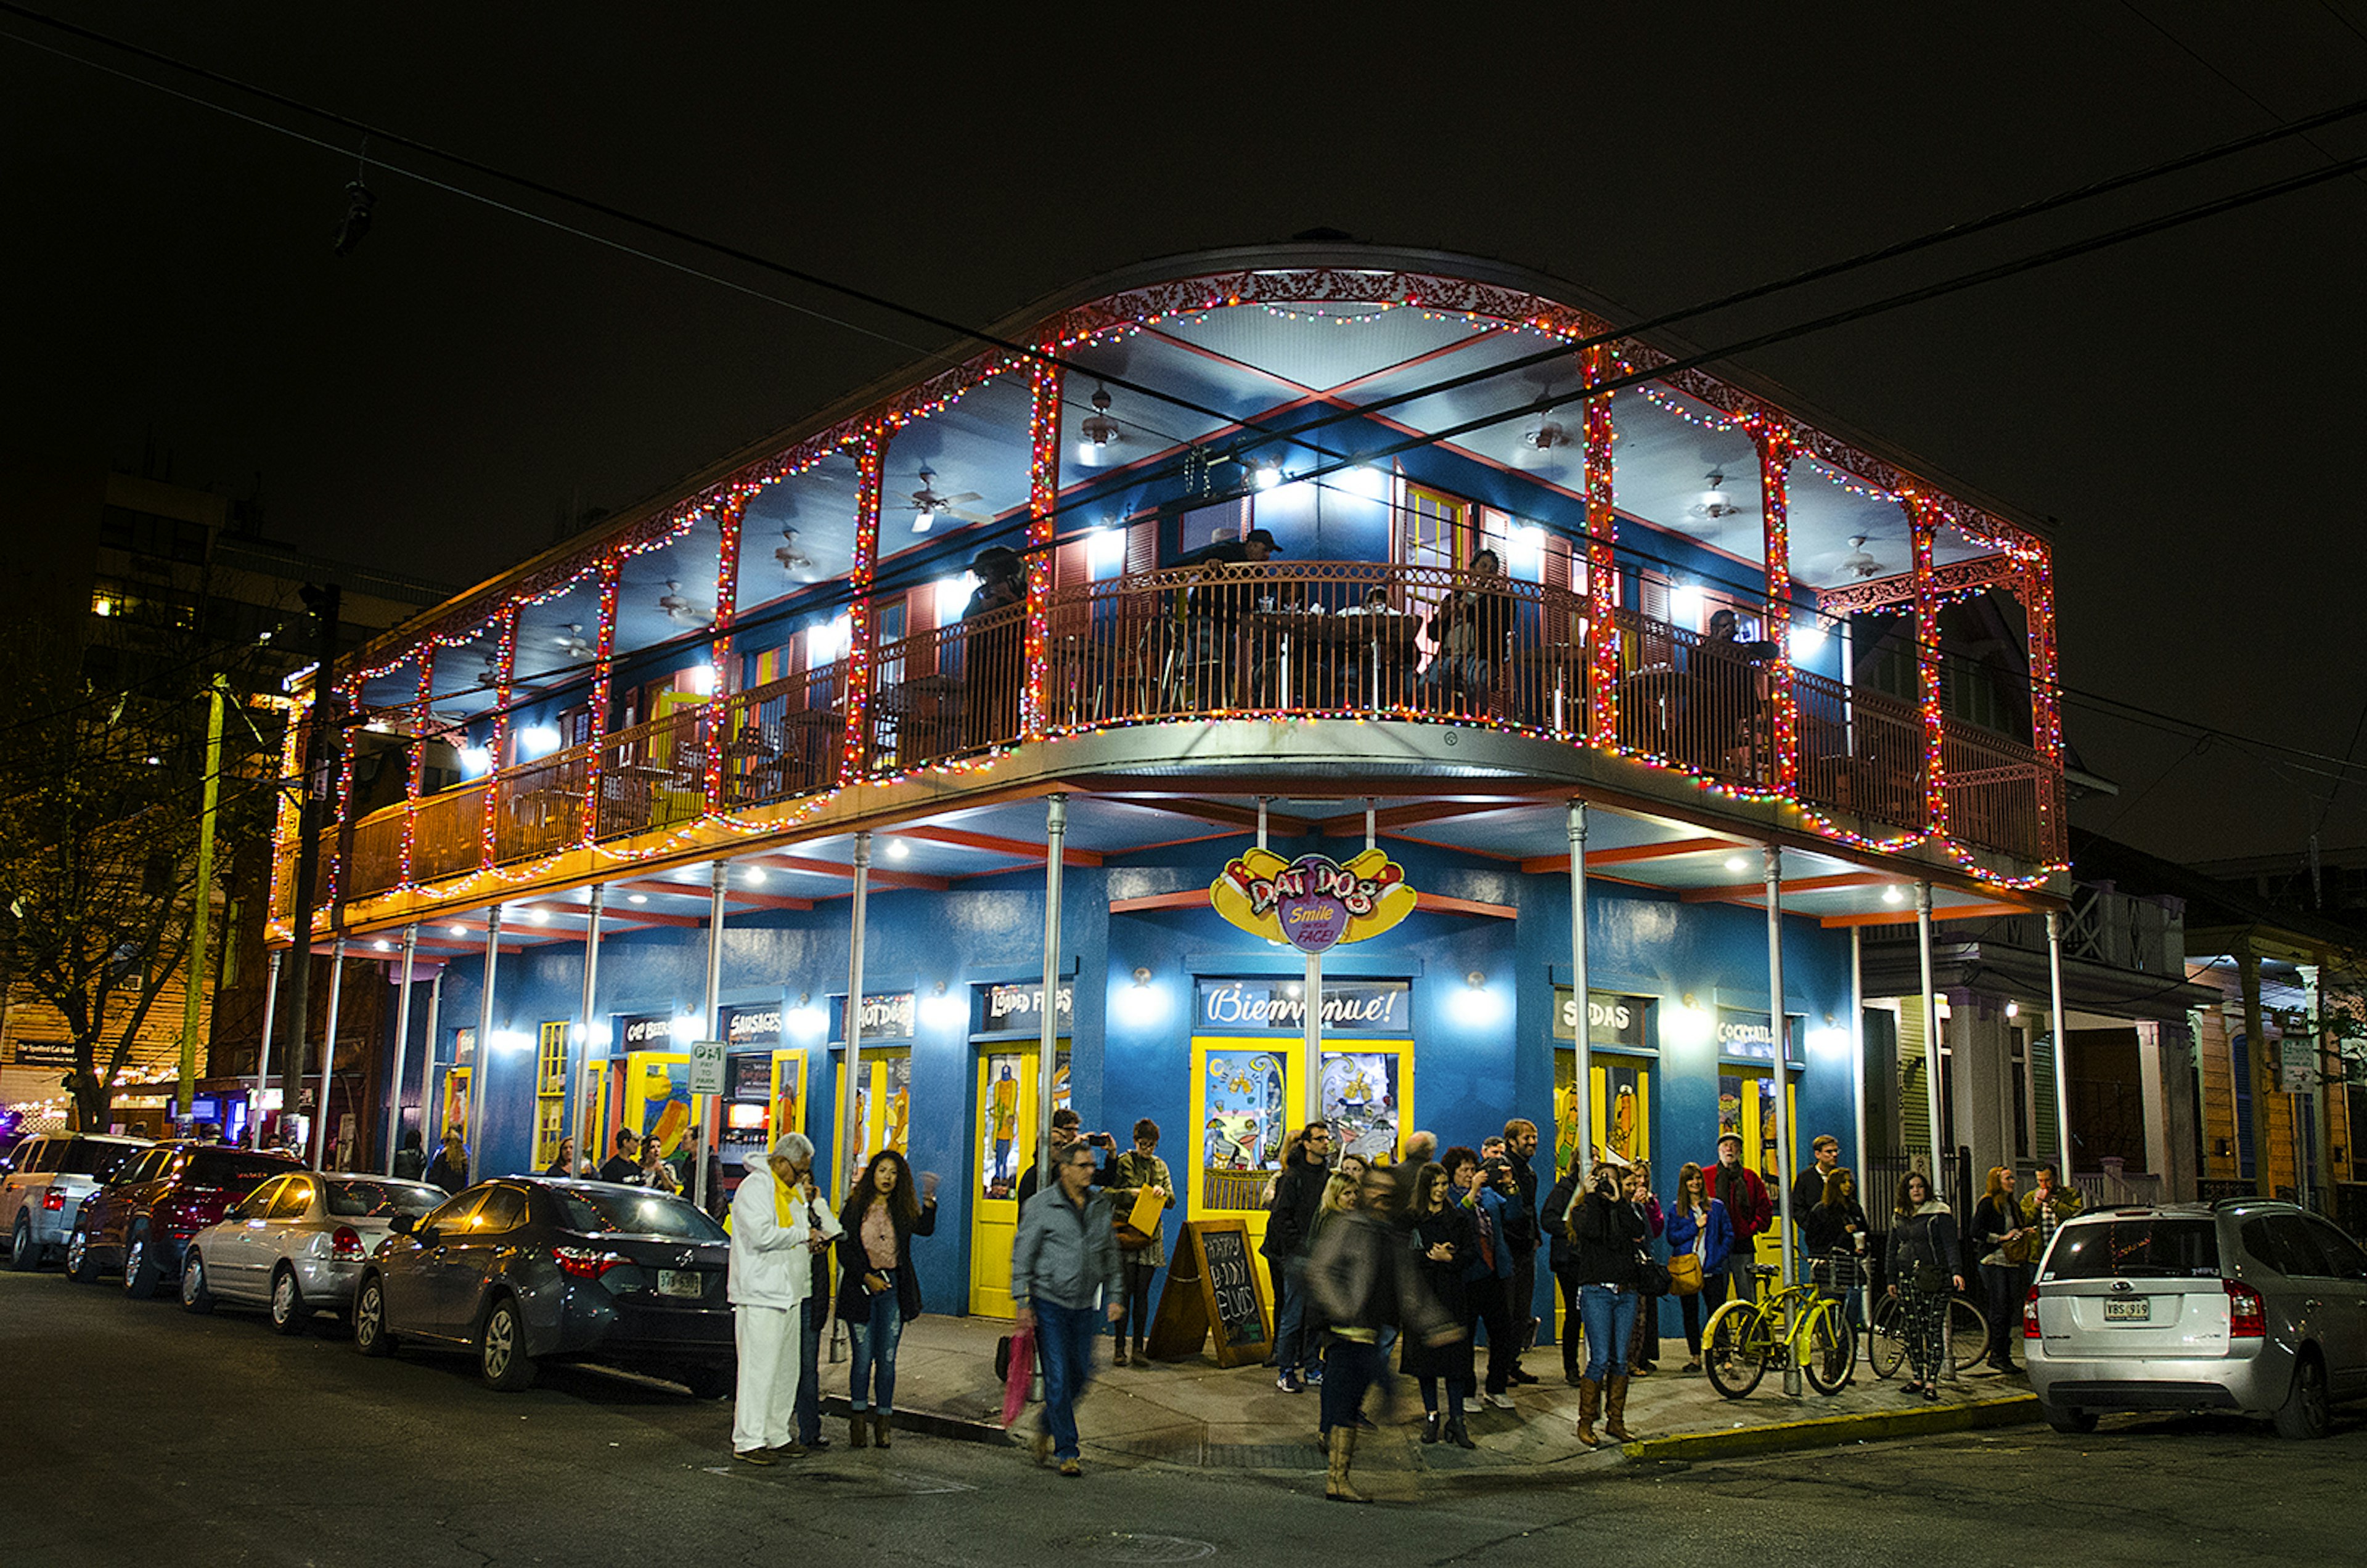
{"x": 505, "y": 673}
{"x": 1774, "y": 442}
{"x": 2045, "y": 689}
{"x": 1601, "y": 564}
{"x": 416, "y": 779}
{"x": 603, "y": 661}
{"x": 854, "y": 749}
{"x": 1923, "y": 524}
{"x": 1043, "y": 499}
{"x": 727, "y": 599}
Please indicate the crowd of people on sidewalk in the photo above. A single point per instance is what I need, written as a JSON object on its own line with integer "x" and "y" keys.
{"x": 1422, "y": 1262}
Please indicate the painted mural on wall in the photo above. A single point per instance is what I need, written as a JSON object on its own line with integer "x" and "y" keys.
{"x": 1361, "y": 1101}
{"x": 1245, "y": 1112}
{"x": 665, "y": 1101}
{"x": 1313, "y": 903}
{"x": 1620, "y": 1108}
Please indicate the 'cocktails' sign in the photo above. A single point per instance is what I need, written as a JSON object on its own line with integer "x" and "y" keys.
{"x": 1314, "y": 903}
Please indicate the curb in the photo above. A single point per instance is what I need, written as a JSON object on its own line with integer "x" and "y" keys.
{"x": 1832, "y": 1431}
{"x": 927, "y": 1423}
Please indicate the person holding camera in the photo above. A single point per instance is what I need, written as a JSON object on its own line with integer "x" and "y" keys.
{"x": 1607, "y": 1229}
{"x": 1487, "y": 1268}
{"x": 1066, "y": 1130}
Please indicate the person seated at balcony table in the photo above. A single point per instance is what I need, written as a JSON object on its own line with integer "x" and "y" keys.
{"x": 1387, "y": 654}
{"x": 1471, "y": 627}
{"x": 1725, "y": 674}
{"x": 994, "y": 648}
{"x": 1219, "y": 604}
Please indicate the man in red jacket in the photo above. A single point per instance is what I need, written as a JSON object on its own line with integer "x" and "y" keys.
{"x": 1737, "y": 1187}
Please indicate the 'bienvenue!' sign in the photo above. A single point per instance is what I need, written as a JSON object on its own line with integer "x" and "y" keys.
{"x": 1380, "y": 1006}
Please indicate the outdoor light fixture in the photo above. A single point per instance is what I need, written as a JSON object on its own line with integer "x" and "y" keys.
{"x": 683, "y": 1027}
{"x": 1475, "y": 1004}
{"x": 1097, "y": 430}
{"x": 1266, "y": 476}
{"x": 475, "y": 761}
{"x": 1105, "y": 551}
{"x": 382, "y": 945}
{"x": 755, "y": 876}
{"x": 1684, "y": 605}
{"x": 1141, "y": 1003}
{"x": 940, "y": 1010}
{"x": 953, "y": 596}
{"x": 637, "y": 897}
{"x": 539, "y": 915}
{"x": 898, "y": 849}
{"x": 512, "y": 1040}
{"x": 702, "y": 679}
{"x": 1807, "y": 639}
{"x": 1738, "y": 863}
{"x": 1365, "y": 480}
{"x": 457, "y": 930}
{"x": 2013, "y": 1010}
{"x": 806, "y": 1019}
{"x": 1688, "y": 1023}
{"x": 537, "y": 740}
{"x": 1893, "y": 894}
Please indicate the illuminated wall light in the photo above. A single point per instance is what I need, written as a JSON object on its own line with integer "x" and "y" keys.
{"x": 2013, "y": 1010}
{"x": 1807, "y": 641}
{"x": 683, "y": 1027}
{"x": 637, "y": 897}
{"x": 807, "y": 1021}
{"x": 953, "y": 596}
{"x": 537, "y": 740}
{"x": 756, "y": 876}
{"x": 1738, "y": 863}
{"x": 457, "y": 930}
{"x": 1526, "y": 548}
{"x": 1687, "y": 1023}
{"x": 1105, "y": 551}
{"x": 940, "y": 1010}
{"x": 539, "y": 915}
{"x": 512, "y": 1040}
{"x": 599, "y": 1035}
{"x": 1829, "y": 1041}
{"x": 382, "y": 945}
{"x": 1684, "y": 606}
{"x": 1368, "y": 481}
{"x": 1141, "y": 1004}
{"x": 1475, "y": 1004}
{"x": 701, "y": 679}
{"x": 1893, "y": 894}
{"x": 475, "y": 761}
{"x": 1267, "y": 475}
{"x": 898, "y": 849}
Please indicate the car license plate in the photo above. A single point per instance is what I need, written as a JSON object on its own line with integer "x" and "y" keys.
{"x": 2137, "y": 1311}
{"x": 681, "y": 1282}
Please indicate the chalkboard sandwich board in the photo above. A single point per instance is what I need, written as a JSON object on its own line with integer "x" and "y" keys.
{"x": 1213, "y": 1287}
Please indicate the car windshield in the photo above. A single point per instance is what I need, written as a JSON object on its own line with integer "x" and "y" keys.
{"x": 382, "y": 1199}
{"x": 2158, "y": 1246}
{"x": 633, "y": 1213}
{"x": 229, "y": 1167}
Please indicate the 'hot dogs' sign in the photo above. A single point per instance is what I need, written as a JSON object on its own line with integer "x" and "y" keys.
{"x": 1314, "y": 903}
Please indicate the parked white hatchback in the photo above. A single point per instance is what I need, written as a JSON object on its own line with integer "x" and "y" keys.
{"x": 296, "y": 1244}
{"x": 2245, "y": 1305}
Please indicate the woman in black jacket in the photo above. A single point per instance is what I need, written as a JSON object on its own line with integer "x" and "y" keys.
{"x": 1553, "y": 1215}
{"x": 1607, "y": 1231}
{"x": 1835, "y": 1230}
{"x": 1997, "y": 1234}
{"x": 1442, "y": 1241}
{"x": 1924, "y": 1265}
{"x": 877, "y": 1291}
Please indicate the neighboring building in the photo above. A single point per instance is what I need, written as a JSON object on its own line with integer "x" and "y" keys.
{"x": 2330, "y": 884}
{"x": 147, "y": 570}
{"x": 763, "y": 694}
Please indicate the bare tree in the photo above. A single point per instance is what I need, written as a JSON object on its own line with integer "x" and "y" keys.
{"x": 101, "y": 783}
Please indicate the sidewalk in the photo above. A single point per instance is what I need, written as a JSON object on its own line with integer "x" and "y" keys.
{"x": 1197, "y": 1414}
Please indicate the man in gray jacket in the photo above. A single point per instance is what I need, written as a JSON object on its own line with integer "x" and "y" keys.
{"x": 1064, "y": 1257}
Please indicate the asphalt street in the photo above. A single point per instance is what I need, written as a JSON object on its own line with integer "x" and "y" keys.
{"x": 135, "y": 1433}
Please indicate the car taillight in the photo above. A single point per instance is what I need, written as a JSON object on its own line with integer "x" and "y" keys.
{"x": 584, "y": 1263}
{"x": 52, "y": 1200}
{"x": 2248, "y": 1315}
{"x": 346, "y": 1246}
{"x": 2030, "y": 1315}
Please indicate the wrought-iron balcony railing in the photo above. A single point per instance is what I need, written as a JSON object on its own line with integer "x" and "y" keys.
{"x": 1416, "y": 644}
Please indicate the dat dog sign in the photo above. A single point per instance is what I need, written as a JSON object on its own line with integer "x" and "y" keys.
{"x": 1314, "y": 903}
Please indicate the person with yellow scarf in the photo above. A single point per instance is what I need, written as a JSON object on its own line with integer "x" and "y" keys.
{"x": 779, "y": 1221}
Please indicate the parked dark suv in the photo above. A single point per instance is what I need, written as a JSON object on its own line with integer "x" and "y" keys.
{"x": 138, "y": 1223}
{"x": 527, "y": 1269}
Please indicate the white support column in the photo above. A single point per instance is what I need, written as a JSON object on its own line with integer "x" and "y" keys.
{"x": 1582, "y": 1064}
{"x": 2062, "y": 1037}
{"x": 1938, "y": 1172}
{"x": 711, "y": 1022}
{"x": 850, "y": 1122}
{"x": 1047, "y": 1059}
{"x": 263, "y": 1052}
{"x": 427, "y": 1054}
{"x": 1777, "y": 1032}
{"x": 328, "y": 1055}
{"x": 480, "y": 1064}
{"x": 1857, "y": 1089}
{"x": 1310, "y": 1047}
{"x": 401, "y": 1043}
{"x": 579, "y": 1055}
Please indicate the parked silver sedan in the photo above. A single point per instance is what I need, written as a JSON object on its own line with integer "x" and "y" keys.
{"x": 296, "y": 1244}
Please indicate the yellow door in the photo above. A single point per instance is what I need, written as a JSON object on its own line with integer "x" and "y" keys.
{"x": 1619, "y": 1108}
{"x": 1746, "y": 1104}
{"x": 1002, "y": 1148}
{"x": 1242, "y": 1105}
{"x": 883, "y": 1109}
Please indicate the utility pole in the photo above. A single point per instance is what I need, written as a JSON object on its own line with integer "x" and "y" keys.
{"x": 189, "y": 987}
{"x": 316, "y": 757}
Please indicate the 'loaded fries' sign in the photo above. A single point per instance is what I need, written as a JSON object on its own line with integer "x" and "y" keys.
{"x": 1313, "y": 903}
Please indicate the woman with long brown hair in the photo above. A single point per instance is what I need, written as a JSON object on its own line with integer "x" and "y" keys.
{"x": 2000, "y": 1240}
{"x": 877, "y": 1291}
{"x": 1697, "y": 1224}
{"x": 1924, "y": 1265}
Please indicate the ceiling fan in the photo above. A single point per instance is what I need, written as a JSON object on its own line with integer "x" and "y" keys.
{"x": 927, "y": 506}
{"x": 1716, "y": 503}
{"x": 793, "y": 560}
{"x": 570, "y": 643}
{"x": 679, "y": 610}
{"x": 1858, "y": 563}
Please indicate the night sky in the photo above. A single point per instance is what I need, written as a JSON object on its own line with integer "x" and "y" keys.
{"x": 2188, "y": 407}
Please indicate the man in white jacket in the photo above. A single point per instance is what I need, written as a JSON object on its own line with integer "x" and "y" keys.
{"x": 779, "y": 1221}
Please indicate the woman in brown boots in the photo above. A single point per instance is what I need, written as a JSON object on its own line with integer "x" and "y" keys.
{"x": 1606, "y": 1230}
{"x": 877, "y": 1291}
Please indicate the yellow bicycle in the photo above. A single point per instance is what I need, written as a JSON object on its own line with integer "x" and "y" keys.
{"x": 1787, "y": 1327}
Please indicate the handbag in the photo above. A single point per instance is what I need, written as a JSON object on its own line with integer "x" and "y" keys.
{"x": 1684, "y": 1271}
{"x": 1652, "y": 1276}
{"x": 1927, "y": 1277}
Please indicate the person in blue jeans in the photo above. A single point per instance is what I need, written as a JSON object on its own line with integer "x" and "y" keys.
{"x": 1068, "y": 1279}
{"x": 877, "y": 1291}
{"x": 1606, "y": 1231}
{"x": 1290, "y": 1224}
